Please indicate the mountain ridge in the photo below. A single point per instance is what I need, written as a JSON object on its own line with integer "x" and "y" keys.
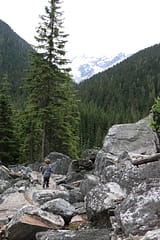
{"x": 84, "y": 67}
{"x": 14, "y": 59}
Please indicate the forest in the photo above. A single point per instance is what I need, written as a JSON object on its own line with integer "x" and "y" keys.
{"x": 42, "y": 109}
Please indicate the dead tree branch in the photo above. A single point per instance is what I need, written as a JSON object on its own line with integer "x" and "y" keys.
{"x": 152, "y": 158}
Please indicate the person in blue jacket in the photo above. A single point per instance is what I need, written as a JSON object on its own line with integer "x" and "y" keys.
{"x": 46, "y": 172}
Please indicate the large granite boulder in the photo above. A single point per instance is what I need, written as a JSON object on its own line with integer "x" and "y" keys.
{"x": 132, "y": 138}
{"x": 30, "y": 220}
{"x": 10, "y": 202}
{"x": 127, "y": 175}
{"x": 140, "y": 211}
{"x": 59, "y": 162}
{"x": 101, "y": 202}
{"x": 75, "y": 195}
{"x": 42, "y": 196}
{"x": 60, "y": 207}
{"x": 89, "y": 182}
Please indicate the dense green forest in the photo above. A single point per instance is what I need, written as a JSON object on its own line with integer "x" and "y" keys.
{"x": 14, "y": 59}
{"x": 122, "y": 94}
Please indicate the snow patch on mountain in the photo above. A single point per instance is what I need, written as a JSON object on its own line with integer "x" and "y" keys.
{"x": 84, "y": 67}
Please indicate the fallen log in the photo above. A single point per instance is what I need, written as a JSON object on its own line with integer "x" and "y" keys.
{"x": 152, "y": 158}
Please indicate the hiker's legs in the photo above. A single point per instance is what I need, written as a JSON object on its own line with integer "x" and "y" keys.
{"x": 44, "y": 182}
{"x": 47, "y": 182}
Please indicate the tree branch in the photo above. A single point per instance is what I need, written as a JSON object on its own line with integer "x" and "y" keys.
{"x": 152, "y": 158}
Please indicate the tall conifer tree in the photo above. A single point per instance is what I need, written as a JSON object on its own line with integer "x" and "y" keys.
{"x": 51, "y": 94}
{"x": 7, "y": 135}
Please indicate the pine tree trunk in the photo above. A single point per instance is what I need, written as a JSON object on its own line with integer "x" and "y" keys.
{"x": 31, "y": 145}
{"x": 43, "y": 145}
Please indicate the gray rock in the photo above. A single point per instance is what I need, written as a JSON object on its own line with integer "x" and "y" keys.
{"x": 89, "y": 182}
{"x": 29, "y": 220}
{"x": 80, "y": 208}
{"x": 11, "y": 202}
{"x": 59, "y": 162}
{"x": 152, "y": 235}
{"x": 129, "y": 176}
{"x": 4, "y": 184}
{"x": 134, "y": 137}
{"x": 42, "y": 196}
{"x": 102, "y": 200}
{"x": 4, "y": 173}
{"x": 60, "y": 207}
{"x": 140, "y": 212}
{"x": 103, "y": 160}
{"x": 90, "y": 154}
{"x": 75, "y": 195}
{"x": 126, "y": 175}
{"x": 88, "y": 234}
{"x": 21, "y": 183}
{"x": 78, "y": 168}
{"x": 20, "y": 171}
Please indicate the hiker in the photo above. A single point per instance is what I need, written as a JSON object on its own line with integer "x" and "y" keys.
{"x": 46, "y": 172}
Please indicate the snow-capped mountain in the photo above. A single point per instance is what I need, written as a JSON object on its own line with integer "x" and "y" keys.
{"x": 84, "y": 67}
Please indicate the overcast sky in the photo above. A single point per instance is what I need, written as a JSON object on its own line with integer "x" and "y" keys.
{"x": 104, "y": 27}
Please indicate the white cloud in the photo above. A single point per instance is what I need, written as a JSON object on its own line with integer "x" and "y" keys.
{"x": 95, "y": 27}
{"x": 22, "y": 16}
{"x": 111, "y": 26}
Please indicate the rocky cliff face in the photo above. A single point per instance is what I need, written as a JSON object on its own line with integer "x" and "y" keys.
{"x": 111, "y": 194}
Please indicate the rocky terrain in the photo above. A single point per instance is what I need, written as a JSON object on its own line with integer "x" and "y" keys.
{"x": 109, "y": 194}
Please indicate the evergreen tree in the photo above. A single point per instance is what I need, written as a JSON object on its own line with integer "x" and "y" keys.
{"x": 155, "y": 119}
{"x": 52, "y": 100}
{"x": 7, "y": 134}
{"x": 28, "y": 133}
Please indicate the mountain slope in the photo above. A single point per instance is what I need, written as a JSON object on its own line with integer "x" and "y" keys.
{"x": 138, "y": 75}
{"x": 121, "y": 94}
{"x": 14, "y": 58}
{"x": 84, "y": 67}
